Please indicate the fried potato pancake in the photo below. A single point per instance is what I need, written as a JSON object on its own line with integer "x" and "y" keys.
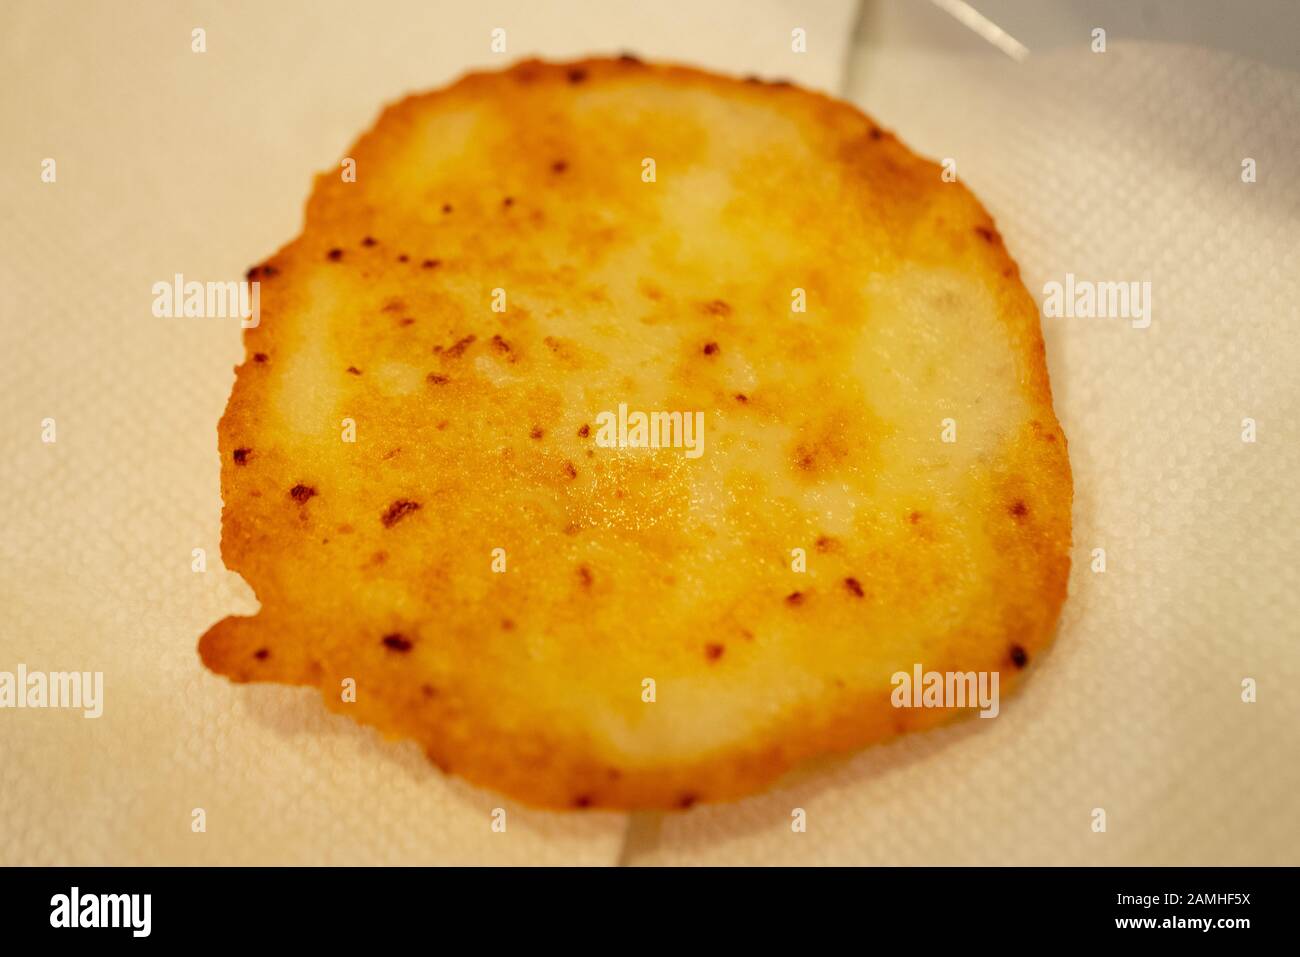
{"x": 424, "y": 490}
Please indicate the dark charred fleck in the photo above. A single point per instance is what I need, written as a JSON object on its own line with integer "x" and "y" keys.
{"x": 582, "y": 800}
{"x": 713, "y": 652}
{"x": 559, "y": 166}
{"x": 403, "y": 258}
{"x": 985, "y": 233}
{"x": 876, "y": 133}
{"x": 825, "y": 543}
{"x": 241, "y": 456}
{"x": 499, "y": 344}
{"x": 396, "y": 642}
{"x": 1019, "y": 657}
{"x": 1018, "y": 508}
{"x": 853, "y": 585}
{"x": 687, "y": 800}
{"x": 584, "y": 576}
{"x": 628, "y": 58}
{"x": 335, "y": 255}
{"x": 446, "y": 207}
{"x": 369, "y": 241}
{"x": 585, "y": 431}
{"x": 353, "y": 370}
{"x": 261, "y": 654}
{"x": 398, "y": 511}
{"x": 794, "y": 598}
{"x": 710, "y": 348}
{"x": 431, "y": 264}
{"x": 577, "y": 75}
{"x": 741, "y": 397}
{"x": 300, "y": 493}
{"x": 259, "y": 356}
{"x": 457, "y": 349}
{"x": 508, "y": 202}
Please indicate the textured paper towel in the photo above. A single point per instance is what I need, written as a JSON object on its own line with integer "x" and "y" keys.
{"x": 171, "y": 161}
{"x": 1117, "y": 166}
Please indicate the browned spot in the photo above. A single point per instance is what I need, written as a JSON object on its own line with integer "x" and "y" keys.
{"x": 368, "y": 241}
{"x": 508, "y": 201}
{"x": 794, "y": 598}
{"x": 397, "y": 642}
{"x": 536, "y": 432}
{"x": 577, "y": 75}
{"x": 241, "y": 456}
{"x": 437, "y": 378}
{"x": 392, "y": 453}
{"x": 825, "y": 543}
{"x": 507, "y": 624}
{"x": 354, "y": 370}
{"x": 717, "y": 308}
{"x": 570, "y": 470}
{"x": 500, "y": 345}
{"x": 1019, "y": 657}
{"x": 259, "y": 356}
{"x": 261, "y": 654}
{"x": 585, "y": 431}
{"x": 713, "y": 651}
{"x": 853, "y": 585}
{"x": 394, "y": 305}
{"x": 741, "y": 397}
{"x": 710, "y": 348}
{"x": 985, "y": 233}
{"x": 335, "y": 255}
{"x": 403, "y": 258}
{"x": 914, "y": 517}
{"x": 584, "y": 576}
{"x": 431, "y": 264}
{"x": 1018, "y": 508}
{"x": 582, "y": 800}
{"x": 559, "y": 166}
{"x": 687, "y": 800}
{"x": 629, "y": 58}
{"x": 446, "y": 207}
{"x": 457, "y": 348}
{"x": 406, "y": 321}
{"x": 875, "y": 133}
{"x": 397, "y": 511}
{"x": 300, "y": 493}
{"x": 429, "y": 691}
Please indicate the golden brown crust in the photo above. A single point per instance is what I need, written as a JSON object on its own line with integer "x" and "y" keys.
{"x": 373, "y": 559}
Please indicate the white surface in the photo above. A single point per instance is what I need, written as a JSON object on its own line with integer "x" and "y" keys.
{"x": 1122, "y": 166}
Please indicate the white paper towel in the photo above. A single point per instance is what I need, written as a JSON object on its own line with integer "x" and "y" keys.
{"x": 173, "y": 161}
{"x": 1117, "y": 166}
